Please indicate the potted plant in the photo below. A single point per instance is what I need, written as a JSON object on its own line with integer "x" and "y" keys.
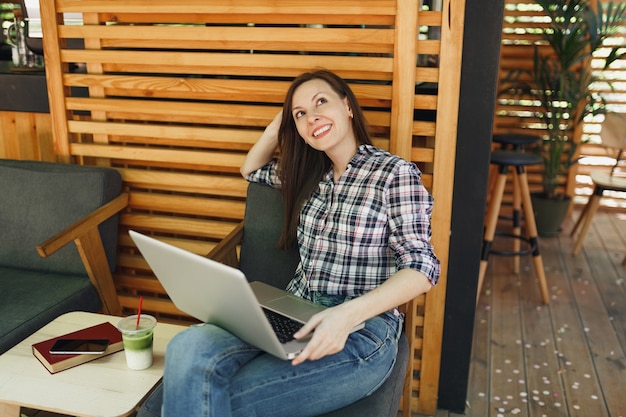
{"x": 560, "y": 83}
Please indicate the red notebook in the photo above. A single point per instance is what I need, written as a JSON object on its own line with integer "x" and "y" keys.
{"x": 57, "y": 363}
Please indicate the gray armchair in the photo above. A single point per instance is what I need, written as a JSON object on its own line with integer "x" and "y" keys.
{"x": 45, "y": 207}
{"x": 260, "y": 260}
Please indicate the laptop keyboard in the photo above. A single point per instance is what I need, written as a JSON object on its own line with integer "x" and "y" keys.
{"x": 284, "y": 327}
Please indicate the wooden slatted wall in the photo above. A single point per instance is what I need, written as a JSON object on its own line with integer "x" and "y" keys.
{"x": 174, "y": 94}
{"x": 522, "y": 21}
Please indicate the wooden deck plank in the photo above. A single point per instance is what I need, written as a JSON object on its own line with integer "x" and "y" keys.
{"x": 506, "y": 336}
{"x": 600, "y": 293}
{"x": 608, "y": 271}
{"x": 574, "y": 371}
{"x": 543, "y": 386}
{"x": 478, "y": 405}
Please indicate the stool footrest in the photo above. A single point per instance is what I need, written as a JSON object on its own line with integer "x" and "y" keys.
{"x": 532, "y": 243}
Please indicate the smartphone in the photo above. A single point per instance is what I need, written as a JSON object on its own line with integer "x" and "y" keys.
{"x": 76, "y": 346}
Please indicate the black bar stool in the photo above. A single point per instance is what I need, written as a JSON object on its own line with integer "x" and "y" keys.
{"x": 503, "y": 160}
{"x": 515, "y": 142}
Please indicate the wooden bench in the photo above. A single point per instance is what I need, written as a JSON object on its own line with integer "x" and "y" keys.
{"x": 174, "y": 94}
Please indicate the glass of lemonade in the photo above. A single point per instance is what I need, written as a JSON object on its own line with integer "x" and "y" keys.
{"x": 138, "y": 340}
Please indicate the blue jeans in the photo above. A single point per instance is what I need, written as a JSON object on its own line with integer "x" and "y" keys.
{"x": 210, "y": 372}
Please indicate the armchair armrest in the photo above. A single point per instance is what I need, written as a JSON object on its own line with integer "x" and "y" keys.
{"x": 226, "y": 251}
{"x": 87, "y": 237}
{"x": 82, "y": 226}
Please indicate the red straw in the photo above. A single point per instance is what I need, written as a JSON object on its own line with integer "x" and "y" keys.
{"x": 139, "y": 312}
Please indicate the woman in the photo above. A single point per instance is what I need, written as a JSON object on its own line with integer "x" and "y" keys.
{"x": 361, "y": 219}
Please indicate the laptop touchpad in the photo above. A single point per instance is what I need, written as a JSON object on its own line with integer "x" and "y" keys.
{"x": 292, "y": 307}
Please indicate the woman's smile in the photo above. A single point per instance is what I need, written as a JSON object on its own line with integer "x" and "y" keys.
{"x": 319, "y": 132}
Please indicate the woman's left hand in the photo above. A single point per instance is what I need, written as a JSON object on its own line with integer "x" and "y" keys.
{"x": 332, "y": 328}
{"x": 333, "y": 325}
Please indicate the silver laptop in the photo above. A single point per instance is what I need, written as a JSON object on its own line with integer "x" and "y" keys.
{"x": 221, "y": 295}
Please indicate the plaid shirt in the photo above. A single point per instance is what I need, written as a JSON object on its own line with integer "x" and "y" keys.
{"x": 353, "y": 235}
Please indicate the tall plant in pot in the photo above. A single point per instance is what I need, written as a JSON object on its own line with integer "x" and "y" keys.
{"x": 560, "y": 83}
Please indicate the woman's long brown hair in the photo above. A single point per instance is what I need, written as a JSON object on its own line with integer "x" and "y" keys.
{"x": 302, "y": 167}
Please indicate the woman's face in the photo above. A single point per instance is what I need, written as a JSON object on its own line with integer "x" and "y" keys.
{"x": 322, "y": 117}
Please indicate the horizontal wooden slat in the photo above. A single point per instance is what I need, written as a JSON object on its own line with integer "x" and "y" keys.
{"x": 415, "y": 385}
{"x": 431, "y": 47}
{"x": 229, "y": 186}
{"x": 424, "y": 128}
{"x": 210, "y": 229}
{"x": 136, "y": 261}
{"x": 422, "y": 154}
{"x": 229, "y": 162}
{"x": 430, "y": 18}
{"x": 138, "y": 282}
{"x": 227, "y": 8}
{"x": 428, "y": 75}
{"x": 181, "y": 87}
{"x": 425, "y": 102}
{"x": 241, "y": 64}
{"x": 371, "y": 95}
{"x": 159, "y": 135}
{"x": 240, "y": 38}
{"x": 417, "y": 343}
{"x": 181, "y": 112}
{"x": 201, "y": 206}
{"x": 244, "y": 19}
{"x": 185, "y": 112}
{"x": 162, "y": 306}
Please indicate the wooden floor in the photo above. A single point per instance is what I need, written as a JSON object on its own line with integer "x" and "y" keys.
{"x": 562, "y": 359}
